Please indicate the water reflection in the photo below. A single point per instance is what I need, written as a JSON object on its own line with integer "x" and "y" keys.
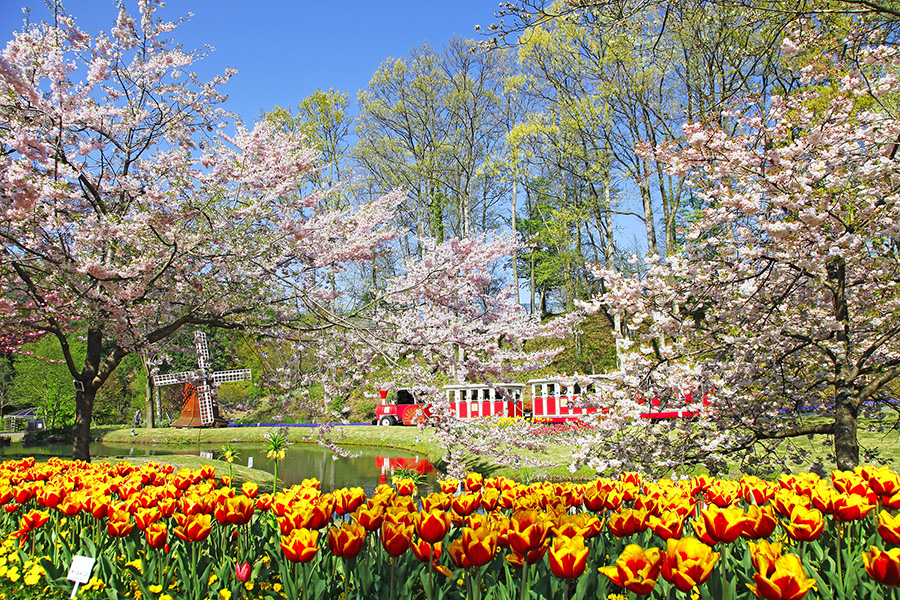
{"x": 389, "y": 466}
{"x": 302, "y": 461}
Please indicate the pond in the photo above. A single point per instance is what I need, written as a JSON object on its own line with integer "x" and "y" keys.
{"x": 302, "y": 461}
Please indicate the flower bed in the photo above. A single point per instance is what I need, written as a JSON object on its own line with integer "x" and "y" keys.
{"x": 565, "y": 428}
{"x": 160, "y": 533}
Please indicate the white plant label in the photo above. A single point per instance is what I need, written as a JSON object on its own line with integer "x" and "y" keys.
{"x": 80, "y": 571}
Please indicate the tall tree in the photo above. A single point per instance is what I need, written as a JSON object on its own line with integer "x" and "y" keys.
{"x": 403, "y": 133}
{"x": 126, "y": 212}
{"x": 646, "y": 69}
{"x": 324, "y": 118}
{"x": 432, "y": 123}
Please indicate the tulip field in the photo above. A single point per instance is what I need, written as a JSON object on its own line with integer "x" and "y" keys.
{"x": 160, "y": 533}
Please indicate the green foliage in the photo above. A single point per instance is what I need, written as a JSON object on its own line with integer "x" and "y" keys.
{"x": 123, "y": 393}
{"x": 41, "y": 379}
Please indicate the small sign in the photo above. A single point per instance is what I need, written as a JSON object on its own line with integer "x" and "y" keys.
{"x": 80, "y": 571}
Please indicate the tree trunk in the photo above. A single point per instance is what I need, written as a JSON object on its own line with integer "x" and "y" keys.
{"x": 86, "y": 385}
{"x": 846, "y": 405}
{"x": 609, "y": 247}
{"x": 649, "y": 219}
{"x": 513, "y": 224}
{"x": 846, "y": 443}
{"x": 81, "y": 431}
{"x": 531, "y": 284}
{"x": 151, "y": 416}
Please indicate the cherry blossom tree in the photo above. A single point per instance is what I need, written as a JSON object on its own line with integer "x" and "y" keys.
{"x": 130, "y": 208}
{"x": 785, "y": 292}
{"x": 446, "y": 317}
{"x": 447, "y": 308}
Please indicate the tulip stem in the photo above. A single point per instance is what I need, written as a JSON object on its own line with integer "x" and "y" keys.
{"x": 840, "y": 570}
{"x": 723, "y": 573}
{"x": 346, "y": 579}
{"x": 393, "y": 577}
{"x": 194, "y": 563}
{"x": 475, "y": 574}
{"x": 565, "y": 594}
{"x": 306, "y": 569}
{"x": 428, "y": 577}
{"x": 55, "y": 538}
{"x": 523, "y": 589}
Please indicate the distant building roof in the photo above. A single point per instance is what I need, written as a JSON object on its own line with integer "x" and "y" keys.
{"x": 25, "y": 413}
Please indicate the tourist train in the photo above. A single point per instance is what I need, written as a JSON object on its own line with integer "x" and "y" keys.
{"x": 551, "y": 400}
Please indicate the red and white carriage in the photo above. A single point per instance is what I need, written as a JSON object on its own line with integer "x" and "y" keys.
{"x": 475, "y": 401}
{"x": 466, "y": 402}
{"x": 558, "y": 399}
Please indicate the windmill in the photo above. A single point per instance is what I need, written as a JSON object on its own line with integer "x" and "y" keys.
{"x": 203, "y": 401}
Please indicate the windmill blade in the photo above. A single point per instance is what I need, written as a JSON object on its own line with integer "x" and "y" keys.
{"x": 232, "y": 375}
{"x": 202, "y": 351}
{"x": 174, "y": 378}
{"x": 205, "y": 400}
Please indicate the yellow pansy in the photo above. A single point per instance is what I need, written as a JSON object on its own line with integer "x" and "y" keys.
{"x": 137, "y": 564}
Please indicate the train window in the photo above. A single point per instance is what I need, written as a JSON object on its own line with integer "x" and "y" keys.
{"x": 551, "y": 389}
{"x": 405, "y": 397}
{"x": 576, "y": 389}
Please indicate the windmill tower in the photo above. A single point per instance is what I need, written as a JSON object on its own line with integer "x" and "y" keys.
{"x": 201, "y": 407}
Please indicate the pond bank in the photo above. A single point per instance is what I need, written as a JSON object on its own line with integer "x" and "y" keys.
{"x": 407, "y": 439}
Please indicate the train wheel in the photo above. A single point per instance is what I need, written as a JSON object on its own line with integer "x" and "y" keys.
{"x": 385, "y": 421}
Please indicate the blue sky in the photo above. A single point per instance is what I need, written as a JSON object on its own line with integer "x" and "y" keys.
{"x": 284, "y": 50}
